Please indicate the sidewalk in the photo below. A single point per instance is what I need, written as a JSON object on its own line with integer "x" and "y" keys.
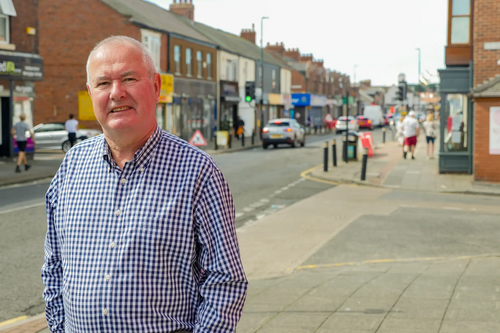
{"x": 388, "y": 169}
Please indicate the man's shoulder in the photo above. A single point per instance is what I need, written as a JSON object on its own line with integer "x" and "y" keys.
{"x": 175, "y": 145}
{"x": 86, "y": 146}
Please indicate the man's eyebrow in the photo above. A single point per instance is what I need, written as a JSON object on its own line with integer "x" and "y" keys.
{"x": 124, "y": 74}
{"x": 128, "y": 73}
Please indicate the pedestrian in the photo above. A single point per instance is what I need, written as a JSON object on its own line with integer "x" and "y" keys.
{"x": 411, "y": 130}
{"x": 141, "y": 228}
{"x": 19, "y": 133}
{"x": 71, "y": 126}
{"x": 399, "y": 132}
{"x": 430, "y": 135}
{"x": 241, "y": 127}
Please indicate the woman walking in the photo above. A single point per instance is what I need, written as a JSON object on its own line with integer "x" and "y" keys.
{"x": 430, "y": 134}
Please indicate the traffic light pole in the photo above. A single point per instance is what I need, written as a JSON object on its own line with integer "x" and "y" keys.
{"x": 346, "y": 142}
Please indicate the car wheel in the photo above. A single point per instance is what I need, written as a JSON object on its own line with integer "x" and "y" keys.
{"x": 66, "y": 146}
{"x": 293, "y": 143}
{"x": 265, "y": 145}
{"x": 275, "y": 145}
{"x": 303, "y": 143}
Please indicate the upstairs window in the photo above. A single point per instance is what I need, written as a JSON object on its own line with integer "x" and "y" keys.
{"x": 4, "y": 29}
{"x": 199, "y": 64}
{"x": 189, "y": 62}
{"x": 177, "y": 59}
{"x": 152, "y": 42}
{"x": 209, "y": 65}
{"x": 460, "y": 22}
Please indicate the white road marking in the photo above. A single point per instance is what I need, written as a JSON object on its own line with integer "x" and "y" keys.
{"x": 248, "y": 209}
{"x": 22, "y": 208}
{"x": 237, "y": 215}
{"x": 453, "y": 208}
{"x": 264, "y": 200}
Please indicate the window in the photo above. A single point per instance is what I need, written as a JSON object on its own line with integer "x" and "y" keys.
{"x": 4, "y": 29}
{"x": 209, "y": 65}
{"x": 199, "y": 64}
{"x": 229, "y": 65}
{"x": 460, "y": 22}
{"x": 455, "y": 132}
{"x": 235, "y": 70}
{"x": 177, "y": 59}
{"x": 152, "y": 42}
{"x": 274, "y": 79}
{"x": 189, "y": 62}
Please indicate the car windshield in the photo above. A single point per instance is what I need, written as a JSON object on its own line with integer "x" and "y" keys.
{"x": 278, "y": 124}
{"x": 344, "y": 118}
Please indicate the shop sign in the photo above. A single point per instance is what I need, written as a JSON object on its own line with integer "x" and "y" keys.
{"x": 495, "y": 130}
{"x": 287, "y": 100}
{"x": 222, "y": 138}
{"x": 301, "y": 99}
{"x": 229, "y": 89}
{"x": 85, "y": 109}
{"x": 275, "y": 99}
{"x": 167, "y": 88}
{"x": 317, "y": 100}
{"x": 21, "y": 68}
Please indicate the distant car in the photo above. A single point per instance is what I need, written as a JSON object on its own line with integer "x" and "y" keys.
{"x": 364, "y": 122}
{"x": 375, "y": 114}
{"x": 55, "y": 136}
{"x": 343, "y": 122}
{"x": 387, "y": 119}
{"x": 283, "y": 131}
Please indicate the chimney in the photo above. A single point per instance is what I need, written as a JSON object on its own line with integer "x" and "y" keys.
{"x": 249, "y": 34}
{"x": 278, "y": 48}
{"x": 292, "y": 53}
{"x": 184, "y": 8}
{"x": 306, "y": 58}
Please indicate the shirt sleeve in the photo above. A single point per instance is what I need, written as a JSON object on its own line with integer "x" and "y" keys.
{"x": 52, "y": 267}
{"x": 223, "y": 283}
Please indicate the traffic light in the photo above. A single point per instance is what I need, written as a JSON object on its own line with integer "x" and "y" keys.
{"x": 249, "y": 91}
{"x": 401, "y": 92}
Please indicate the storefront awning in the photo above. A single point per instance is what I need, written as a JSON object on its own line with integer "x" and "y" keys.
{"x": 230, "y": 99}
{"x": 21, "y": 66}
{"x": 7, "y": 8}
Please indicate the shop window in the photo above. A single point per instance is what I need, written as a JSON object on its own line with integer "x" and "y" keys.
{"x": 4, "y": 29}
{"x": 209, "y": 65}
{"x": 460, "y": 22}
{"x": 153, "y": 43}
{"x": 199, "y": 64}
{"x": 189, "y": 62}
{"x": 274, "y": 79}
{"x": 177, "y": 59}
{"x": 456, "y": 116}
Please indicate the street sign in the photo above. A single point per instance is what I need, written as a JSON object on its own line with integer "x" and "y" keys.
{"x": 198, "y": 139}
{"x": 328, "y": 118}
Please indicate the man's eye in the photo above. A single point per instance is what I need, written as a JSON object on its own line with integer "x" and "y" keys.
{"x": 129, "y": 79}
{"x": 102, "y": 84}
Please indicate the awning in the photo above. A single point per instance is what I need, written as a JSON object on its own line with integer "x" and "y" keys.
{"x": 7, "y": 8}
{"x": 230, "y": 99}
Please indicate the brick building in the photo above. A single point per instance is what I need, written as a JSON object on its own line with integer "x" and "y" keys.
{"x": 20, "y": 66}
{"x": 470, "y": 118}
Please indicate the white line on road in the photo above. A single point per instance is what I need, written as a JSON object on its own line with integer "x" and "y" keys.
{"x": 22, "y": 208}
{"x": 453, "y": 208}
{"x": 237, "y": 215}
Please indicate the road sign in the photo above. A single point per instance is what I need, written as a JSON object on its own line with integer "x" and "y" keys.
{"x": 328, "y": 118}
{"x": 198, "y": 139}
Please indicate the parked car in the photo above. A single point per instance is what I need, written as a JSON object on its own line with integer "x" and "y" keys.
{"x": 55, "y": 136}
{"x": 375, "y": 114}
{"x": 342, "y": 123}
{"x": 364, "y": 122}
{"x": 283, "y": 131}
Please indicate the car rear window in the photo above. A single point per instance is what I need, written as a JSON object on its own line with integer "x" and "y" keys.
{"x": 279, "y": 124}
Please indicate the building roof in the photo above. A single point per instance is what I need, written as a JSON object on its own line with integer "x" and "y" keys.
{"x": 231, "y": 43}
{"x": 489, "y": 88}
{"x": 152, "y": 16}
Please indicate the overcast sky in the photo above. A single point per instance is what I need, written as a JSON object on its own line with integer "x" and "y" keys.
{"x": 379, "y": 36}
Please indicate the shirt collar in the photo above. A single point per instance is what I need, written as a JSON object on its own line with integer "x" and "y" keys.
{"x": 142, "y": 156}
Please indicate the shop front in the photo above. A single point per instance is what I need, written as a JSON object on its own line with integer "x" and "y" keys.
{"x": 229, "y": 100}
{"x": 456, "y": 117}
{"x": 309, "y": 110}
{"x": 18, "y": 73}
{"x": 193, "y": 108}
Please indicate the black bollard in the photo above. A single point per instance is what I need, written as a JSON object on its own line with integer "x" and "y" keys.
{"x": 334, "y": 152}
{"x": 215, "y": 141}
{"x": 325, "y": 157}
{"x": 229, "y": 142}
{"x": 243, "y": 140}
{"x": 253, "y": 138}
{"x": 383, "y": 135}
{"x": 363, "y": 164}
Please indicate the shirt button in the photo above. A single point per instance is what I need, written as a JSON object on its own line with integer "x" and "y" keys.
{"x": 105, "y": 312}
{"x": 112, "y": 245}
{"x": 123, "y": 181}
{"x": 107, "y": 277}
{"x": 141, "y": 169}
{"x": 118, "y": 212}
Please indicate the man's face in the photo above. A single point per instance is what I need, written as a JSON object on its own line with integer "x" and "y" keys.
{"x": 123, "y": 95}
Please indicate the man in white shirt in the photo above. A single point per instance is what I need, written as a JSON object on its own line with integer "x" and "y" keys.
{"x": 411, "y": 130}
{"x": 71, "y": 126}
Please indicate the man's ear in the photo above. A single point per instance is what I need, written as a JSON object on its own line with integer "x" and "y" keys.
{"x": 88, "y": 89}
{"x": 157, "y": 85}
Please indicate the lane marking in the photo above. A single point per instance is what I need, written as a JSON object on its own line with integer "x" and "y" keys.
{"x": 21, "y": 208}
{"x": 305, "y": 176}
{"x": 12, "y": 321}
{"x": 453, "y": 208}
{"x": 238, "y": 215}
{"x": 384, "y": 261}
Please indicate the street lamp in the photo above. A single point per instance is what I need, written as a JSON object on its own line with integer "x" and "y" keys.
{"x": 418, "y": 49}
{"x": 262, "y": 65}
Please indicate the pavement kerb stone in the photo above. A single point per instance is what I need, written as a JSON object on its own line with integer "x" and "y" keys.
{"x": 25, "y": 325}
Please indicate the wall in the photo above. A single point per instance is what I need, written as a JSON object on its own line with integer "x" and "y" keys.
{"x": 27, "y": 16}
{"x": 485, "y": 165}
{"x": 68, "y": 31}
{"x": 225, "y": 56}
{"x": 486, "y": 29}
{"x": 194, "y": 48}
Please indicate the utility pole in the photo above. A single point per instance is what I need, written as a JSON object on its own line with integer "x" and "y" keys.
{"x": 418, "y": 94}
{"x": 262, "y": 68}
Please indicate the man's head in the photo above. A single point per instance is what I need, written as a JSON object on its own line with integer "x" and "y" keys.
{"x": 22, "y": 117}
{"x": 412, "y": 114}
{"x": 124, "y": 86}
{"x": 71, "y": 116}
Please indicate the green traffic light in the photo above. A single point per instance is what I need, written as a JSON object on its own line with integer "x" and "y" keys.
{"x": 248, "y": 99}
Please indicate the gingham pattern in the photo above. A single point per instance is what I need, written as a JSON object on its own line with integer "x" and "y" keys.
{"x": 155, "y": 252}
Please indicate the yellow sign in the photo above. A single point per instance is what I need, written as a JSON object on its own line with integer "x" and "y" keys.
{"x": 275, "y": 99}
{"x": 167, "y": 88}
{"x": 222, "y": 138}
{"x": 85, "y": 109}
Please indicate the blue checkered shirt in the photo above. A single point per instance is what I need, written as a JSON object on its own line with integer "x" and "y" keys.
{"x": 150, "y": 248}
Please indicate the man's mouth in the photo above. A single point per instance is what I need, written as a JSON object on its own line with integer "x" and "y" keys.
{"x": 123, "y": 108}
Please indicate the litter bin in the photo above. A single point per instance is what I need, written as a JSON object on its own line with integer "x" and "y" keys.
{"x": 352, "y": 146}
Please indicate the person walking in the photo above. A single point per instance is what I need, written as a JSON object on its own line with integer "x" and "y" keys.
{"x": 141, "y": 233}
{"x": 241, "y": 128}
{"x": 71, "y": 126}
{"x": 430, "y": 135}
{"x": 411, "y": 130}
{"x": 19, "y": 133}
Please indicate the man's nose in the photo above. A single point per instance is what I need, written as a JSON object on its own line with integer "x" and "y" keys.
{"x": 117, "y": 90}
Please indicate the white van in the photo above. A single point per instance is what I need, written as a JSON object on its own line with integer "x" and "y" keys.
{"x": 375, "y": 114}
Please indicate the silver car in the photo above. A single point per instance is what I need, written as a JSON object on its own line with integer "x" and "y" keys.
{"x": 342, "y": 123}
{"x": 283, "y": 131}
{"x": 55, "y": 136}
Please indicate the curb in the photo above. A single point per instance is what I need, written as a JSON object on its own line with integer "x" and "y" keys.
{"x": 37, "y": 323}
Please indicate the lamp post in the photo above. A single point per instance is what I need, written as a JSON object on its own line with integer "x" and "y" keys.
{"x": 418, "y": 98}
{"x": 262, "y": 67}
